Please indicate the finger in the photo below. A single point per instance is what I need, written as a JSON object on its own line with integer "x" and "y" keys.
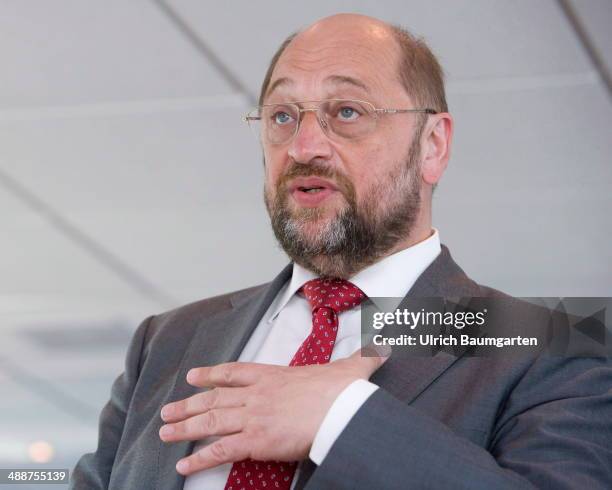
{"x": 203, "y": 402}
{"x": 228, "y": 374}
{"x": 374, "y": 350}
{"x": 225, "y": 450}
{"x": 214, "y": 422}
{"x": 370, "y": 357}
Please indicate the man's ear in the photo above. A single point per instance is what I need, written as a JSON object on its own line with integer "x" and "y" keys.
{"x": 435, "y": 146}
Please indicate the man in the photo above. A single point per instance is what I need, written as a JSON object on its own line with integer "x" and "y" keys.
{"x": 356, "y": 134}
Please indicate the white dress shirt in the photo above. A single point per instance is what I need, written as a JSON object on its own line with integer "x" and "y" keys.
{"x": 288, "y": 321}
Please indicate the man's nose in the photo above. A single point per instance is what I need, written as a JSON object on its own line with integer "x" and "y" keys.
{"x": 311, "y": 140}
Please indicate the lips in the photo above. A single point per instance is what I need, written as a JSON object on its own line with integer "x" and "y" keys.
{"x": 311, "y": 184}
{"x": 311, "y": 191}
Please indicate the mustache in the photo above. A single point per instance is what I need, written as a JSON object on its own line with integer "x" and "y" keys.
{"x": 341, "y": 181}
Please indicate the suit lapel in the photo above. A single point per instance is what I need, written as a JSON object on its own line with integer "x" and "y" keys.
{"x": 407, "y": 377}
{"x": 218, "y": 339}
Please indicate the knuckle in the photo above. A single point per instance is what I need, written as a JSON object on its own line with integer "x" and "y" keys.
{"x": 218, "y": 451}
{"x": 222, "y": 373}
{"x": 210, "y": 399}
{"x": 227, "y": 374}
{"x": 211, "y": 421}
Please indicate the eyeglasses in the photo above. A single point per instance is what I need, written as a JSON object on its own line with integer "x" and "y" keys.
{"x": 346, "y": 118}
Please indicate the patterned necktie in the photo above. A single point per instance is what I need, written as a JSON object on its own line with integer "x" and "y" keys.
{"x": 327, "y": 298}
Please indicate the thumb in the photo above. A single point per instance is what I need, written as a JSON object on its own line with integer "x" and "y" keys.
{"x": 370, "y": 357}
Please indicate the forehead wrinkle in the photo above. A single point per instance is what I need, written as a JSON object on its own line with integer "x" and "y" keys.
{"x": 359, "y": 53}
{"x": 353, "y": 53}
{"x": 332, "y": 84}
{"x": 336, "y": 71}
{"x": 347, "y": 80}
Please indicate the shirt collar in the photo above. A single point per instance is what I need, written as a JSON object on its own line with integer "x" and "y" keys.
{"x": 391, "y": 277}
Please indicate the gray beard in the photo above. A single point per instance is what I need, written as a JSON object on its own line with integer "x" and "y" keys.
{"x": 358, "y": 236}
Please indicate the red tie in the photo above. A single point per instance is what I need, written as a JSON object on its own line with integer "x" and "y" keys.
{"x": 328, "y": 298}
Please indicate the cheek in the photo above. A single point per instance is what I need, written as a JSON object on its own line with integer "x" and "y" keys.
{"x": 367, "y": 169}
{"x": 272, "y": 167}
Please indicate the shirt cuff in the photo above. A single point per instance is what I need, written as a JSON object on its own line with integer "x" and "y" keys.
{"x": 337, "y": 418}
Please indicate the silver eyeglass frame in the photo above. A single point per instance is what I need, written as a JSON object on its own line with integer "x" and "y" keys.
{"x": 376, "y": 111}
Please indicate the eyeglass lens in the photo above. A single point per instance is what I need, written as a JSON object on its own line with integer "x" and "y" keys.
{"x": 345, "y": 118}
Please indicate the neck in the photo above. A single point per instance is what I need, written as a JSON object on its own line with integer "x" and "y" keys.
{"x": 417, "y": 236}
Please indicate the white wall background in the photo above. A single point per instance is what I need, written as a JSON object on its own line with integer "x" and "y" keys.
{"x": 129, "y": 183}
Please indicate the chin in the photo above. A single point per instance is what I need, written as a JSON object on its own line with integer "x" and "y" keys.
{"x": 311, "y": 228}
{"x": 323, "y": 212}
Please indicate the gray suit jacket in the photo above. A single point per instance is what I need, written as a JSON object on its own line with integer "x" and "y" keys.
{"x": 440, "y": 422}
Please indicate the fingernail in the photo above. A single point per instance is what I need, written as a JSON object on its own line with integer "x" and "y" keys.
{"x": 167, "y": 411}
{"x": 166, "y": 430}
{"x": 191, "y": 375}
{"x": 182, "y": 466}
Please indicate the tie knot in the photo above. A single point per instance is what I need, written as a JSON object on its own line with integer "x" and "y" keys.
{"x": 337, "y": 294}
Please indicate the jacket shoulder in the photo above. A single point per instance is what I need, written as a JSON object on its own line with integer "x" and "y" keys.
{"x": 183, "y": 320}
{"x": 210, "y": 306}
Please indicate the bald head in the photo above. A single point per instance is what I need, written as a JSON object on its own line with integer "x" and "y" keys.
{"x": 339, "y": 38}
{"x": 350, "y": 27}
{"x": 389, "y": 50}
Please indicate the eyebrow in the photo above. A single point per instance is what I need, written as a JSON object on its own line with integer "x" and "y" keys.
{"x": 278, "y": 83}
{"x": 346, "y": 80}
{"x": 335, "y": 79}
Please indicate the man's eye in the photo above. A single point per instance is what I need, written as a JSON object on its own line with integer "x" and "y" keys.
{"x": 281, "y": 118}
{"x": 348, "y": 113}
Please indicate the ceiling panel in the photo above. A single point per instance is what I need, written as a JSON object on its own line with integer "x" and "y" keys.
{"x": 525, "y": 203}
{"x": 596, "y": 17}
{"x": 474, "y": 39}
{"x": 43, "y": 272}
{"x": 70, "y": 52}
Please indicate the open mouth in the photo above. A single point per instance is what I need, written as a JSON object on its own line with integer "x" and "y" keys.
{"x": 311, "y": 190}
